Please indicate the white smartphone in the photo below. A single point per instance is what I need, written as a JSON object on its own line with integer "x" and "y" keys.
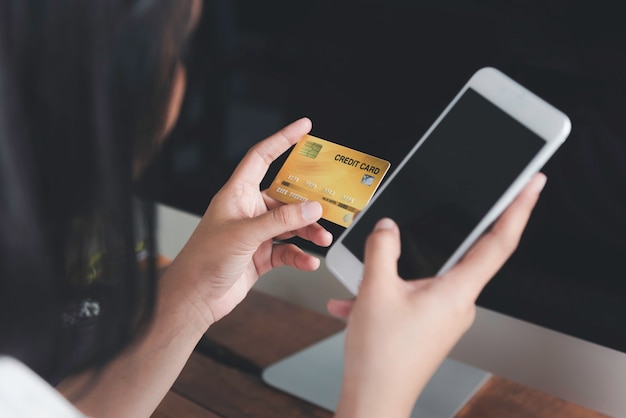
{"x": 459, "y": 177}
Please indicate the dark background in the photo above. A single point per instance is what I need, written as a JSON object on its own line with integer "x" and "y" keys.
{"x": 373, "y": 75}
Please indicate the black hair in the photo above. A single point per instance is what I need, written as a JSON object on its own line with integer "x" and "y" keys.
{"x": 85, "y": 88}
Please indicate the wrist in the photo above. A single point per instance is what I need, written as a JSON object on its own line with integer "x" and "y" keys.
{"x": 362, "y": 398}
{"x": 372, "y": 408}
{"x": 180, "y": 301}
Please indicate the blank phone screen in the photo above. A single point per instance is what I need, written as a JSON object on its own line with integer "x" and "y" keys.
{"x": 449, "y": 184}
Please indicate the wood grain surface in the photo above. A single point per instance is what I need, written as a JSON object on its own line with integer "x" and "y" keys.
{"x": 223, "y": 376}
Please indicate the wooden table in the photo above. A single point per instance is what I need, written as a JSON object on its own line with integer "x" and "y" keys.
{"x": 223, "y": 377}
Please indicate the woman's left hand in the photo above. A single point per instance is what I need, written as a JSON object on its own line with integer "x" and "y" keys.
{"x": 238, "y": 238}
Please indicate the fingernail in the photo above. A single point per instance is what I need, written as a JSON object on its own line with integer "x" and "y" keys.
{"x": 311, "y": 210}
{"x": 540, "y": 183}
{"x": 303, "y": 120}
{"x": 384, "y": 223}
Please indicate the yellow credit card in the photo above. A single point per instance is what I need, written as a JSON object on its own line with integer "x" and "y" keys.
{"x": 341, "y": 179}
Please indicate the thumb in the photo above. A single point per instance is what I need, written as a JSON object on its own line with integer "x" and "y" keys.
{"x": 283, "y": 219}
{"x": 382, "y": 250}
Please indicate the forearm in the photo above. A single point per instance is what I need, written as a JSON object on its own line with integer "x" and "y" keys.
{"x": 135, "y": 382}
{"x": 372, "y": 398}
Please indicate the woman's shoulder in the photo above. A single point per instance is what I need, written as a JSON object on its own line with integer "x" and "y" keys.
{"x": 24, "y": 394}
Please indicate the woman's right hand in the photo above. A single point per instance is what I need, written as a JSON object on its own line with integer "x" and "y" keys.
{"x": 400, "y": 331}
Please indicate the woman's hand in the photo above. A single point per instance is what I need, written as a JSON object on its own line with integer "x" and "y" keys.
{"x": 236, "y": 240}
{"x": 400, "y": 331}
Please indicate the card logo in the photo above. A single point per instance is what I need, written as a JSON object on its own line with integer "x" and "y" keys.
{"x": 368, "y": 180}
